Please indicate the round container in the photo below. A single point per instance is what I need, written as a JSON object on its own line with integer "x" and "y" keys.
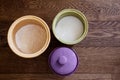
{"x": 28, "y": 36}
{"x": 72, "y": 16}
{"x": 63, "y": 61}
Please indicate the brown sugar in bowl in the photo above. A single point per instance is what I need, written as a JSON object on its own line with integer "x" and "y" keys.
{"x": 29, "y": 36}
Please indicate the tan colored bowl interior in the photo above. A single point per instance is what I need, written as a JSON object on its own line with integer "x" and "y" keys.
{"x": 27, "y": 41}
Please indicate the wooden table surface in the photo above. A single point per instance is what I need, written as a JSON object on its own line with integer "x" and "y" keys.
{"x": 99, "y": 52}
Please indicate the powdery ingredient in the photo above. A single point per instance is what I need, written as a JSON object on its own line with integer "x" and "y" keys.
{"x": 69, "y": 28}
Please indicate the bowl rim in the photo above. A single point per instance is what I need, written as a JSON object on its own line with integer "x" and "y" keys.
{"x": 64, "y": 11}
{"x": 11, "y": 41}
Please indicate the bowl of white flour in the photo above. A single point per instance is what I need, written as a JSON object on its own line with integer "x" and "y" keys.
{"x": 70, "y": 26}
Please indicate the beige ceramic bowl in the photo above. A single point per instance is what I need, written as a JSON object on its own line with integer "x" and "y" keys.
{"x": 29, "y": 36}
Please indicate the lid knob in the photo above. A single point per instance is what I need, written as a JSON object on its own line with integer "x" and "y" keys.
{"x": 62, "y": 60}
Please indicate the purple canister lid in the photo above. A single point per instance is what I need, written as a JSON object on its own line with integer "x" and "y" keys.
{"x": 63, "y": 61}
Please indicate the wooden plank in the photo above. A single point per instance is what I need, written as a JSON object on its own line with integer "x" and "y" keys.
{"x": 101, "y": 60}
{"x": 115, "y": 76}
{"x": 55, "y": 77}
{"x": 98, "y": 60}
{"x": 103, "y": 10}
{"x": 108, "y": 9}
{"x": 101, "y": 34}
{"x": 11, "y": 63}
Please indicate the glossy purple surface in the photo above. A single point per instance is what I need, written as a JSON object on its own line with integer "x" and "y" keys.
{"x": 63, "y": 61}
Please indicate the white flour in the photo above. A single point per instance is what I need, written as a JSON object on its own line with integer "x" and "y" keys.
{"x": 69, "y": 28}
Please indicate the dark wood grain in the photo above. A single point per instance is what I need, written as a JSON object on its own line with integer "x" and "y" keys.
{"x": 54, "y": 77}
{"x": 99, "y": 52}
{"x": 116, "y": 77}
{"x": 93, "y": 9}
{"x": 92, "y": 60}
